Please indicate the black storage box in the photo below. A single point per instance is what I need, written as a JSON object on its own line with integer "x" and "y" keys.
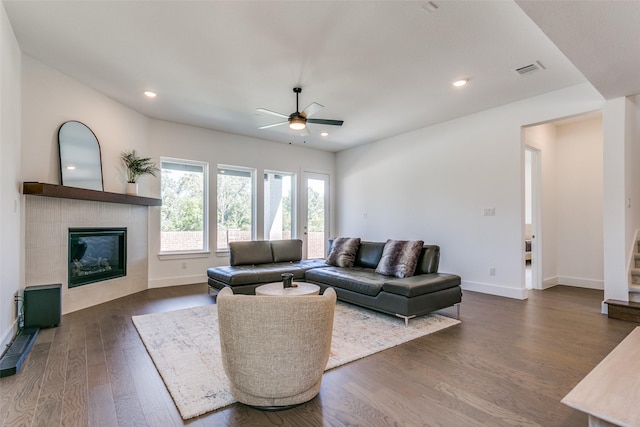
{"x": 42, "y": 305}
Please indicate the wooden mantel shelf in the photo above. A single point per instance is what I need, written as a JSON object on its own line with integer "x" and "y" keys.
{"x": 60, "y": 191}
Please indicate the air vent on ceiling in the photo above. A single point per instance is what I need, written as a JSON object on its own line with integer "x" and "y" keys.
{"x": 531, "y": 68}
{"x": 430, "y": 6}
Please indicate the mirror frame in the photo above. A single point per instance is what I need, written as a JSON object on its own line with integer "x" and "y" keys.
{"x": 60, "y": 150}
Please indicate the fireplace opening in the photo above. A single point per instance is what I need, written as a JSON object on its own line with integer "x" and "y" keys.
{"x": 96, "y": 254}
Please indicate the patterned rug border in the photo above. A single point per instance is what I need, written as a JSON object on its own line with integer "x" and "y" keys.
{"x": 185, "y": 348}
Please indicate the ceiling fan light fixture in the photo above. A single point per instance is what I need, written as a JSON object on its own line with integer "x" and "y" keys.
{"x": 460, "y": 82}
{"x": 297, "y": 123}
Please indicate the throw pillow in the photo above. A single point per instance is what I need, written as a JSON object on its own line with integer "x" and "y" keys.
{"x": 399, "y": 258}
{"x": 343, "y": 252}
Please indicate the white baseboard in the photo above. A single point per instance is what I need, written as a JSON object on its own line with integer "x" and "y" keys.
{"x": 549, "y": 283}
{"x": 177, "y": 281}
{"x": 501, "y": 291}
{"x": 580, "y": 282}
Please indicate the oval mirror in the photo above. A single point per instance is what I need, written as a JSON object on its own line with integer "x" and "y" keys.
{"x": 80, "y": 159}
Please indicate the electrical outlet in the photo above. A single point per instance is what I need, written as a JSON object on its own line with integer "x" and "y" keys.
{"x": 492, "y": 271}
{"x": 489, "y": 211}
{"x": 184, "y": 265}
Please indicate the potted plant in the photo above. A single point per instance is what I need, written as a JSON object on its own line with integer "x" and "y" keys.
{"x": 136, "y": 167}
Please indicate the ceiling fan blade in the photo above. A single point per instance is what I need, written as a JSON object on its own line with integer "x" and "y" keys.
{"x": 326, "y": 122}
{"x": 312, "y": 108}
{"x": 274, "y": 124}
{"x": 273, "y": 113}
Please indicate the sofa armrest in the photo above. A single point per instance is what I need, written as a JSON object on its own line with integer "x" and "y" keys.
{"x": 421, "y": 284}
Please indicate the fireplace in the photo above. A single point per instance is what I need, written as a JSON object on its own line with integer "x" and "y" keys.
{"x": 96, "y": 254}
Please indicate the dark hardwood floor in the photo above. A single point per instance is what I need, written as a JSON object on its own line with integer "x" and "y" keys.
{"x": 508, "y": 364}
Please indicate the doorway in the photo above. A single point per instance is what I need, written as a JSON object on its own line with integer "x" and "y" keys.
{"x": 532, "y": 248}
{"x": 315, "y": 215}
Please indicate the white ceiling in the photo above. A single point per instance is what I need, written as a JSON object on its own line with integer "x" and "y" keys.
{"x": 383, "y": 67}
{"x": 602, "y": 38}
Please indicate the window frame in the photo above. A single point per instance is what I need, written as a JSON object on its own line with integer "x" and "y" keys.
{"x": 205, "y": 204}
{"x": 252, "y": 173}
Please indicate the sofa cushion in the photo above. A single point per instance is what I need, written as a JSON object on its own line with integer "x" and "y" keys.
{"x": 343, "y": 251}
{"x": 429, "y": 260}
{"x": 286, "y": 250}
{"x": 265, "y": 273}
{"x": 240, "y": 275}
{"x": 422, "y": 284}
{"x": 357, "y": 279}
{"x": 250, "y": 253}
{"x": 369, "y": 254}
{"x": 399, "y": 257}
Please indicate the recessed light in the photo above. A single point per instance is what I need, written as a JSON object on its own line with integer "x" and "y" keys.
{"x": 324, "y": 133}
{"x": 460, "y": 82}
{"x": 70, "y": 167}
{"x": 150, "y": 93}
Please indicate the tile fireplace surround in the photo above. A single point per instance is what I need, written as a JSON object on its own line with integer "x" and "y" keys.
{"x": 47, "y": 223}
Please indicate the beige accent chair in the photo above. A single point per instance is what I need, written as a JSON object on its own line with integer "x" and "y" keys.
{"x": 275, "y": 348}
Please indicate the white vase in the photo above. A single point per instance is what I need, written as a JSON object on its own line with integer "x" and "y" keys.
{"x": 132, "y": 188}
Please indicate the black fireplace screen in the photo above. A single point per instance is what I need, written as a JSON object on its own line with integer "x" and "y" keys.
{"x": 96, "y": 254}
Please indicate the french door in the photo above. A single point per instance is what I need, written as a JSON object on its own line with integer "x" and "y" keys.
{"x": 315, "y": 214}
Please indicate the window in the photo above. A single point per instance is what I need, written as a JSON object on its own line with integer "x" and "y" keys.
{"x": 184, "y": 213}
{"x": 279, "y": 205}
{"x": 236, "y": 207}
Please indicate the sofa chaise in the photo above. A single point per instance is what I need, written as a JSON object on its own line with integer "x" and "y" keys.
{"x": 424, "y": 291}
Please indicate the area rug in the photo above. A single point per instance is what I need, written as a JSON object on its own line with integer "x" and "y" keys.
{"x": 185, "y": 348}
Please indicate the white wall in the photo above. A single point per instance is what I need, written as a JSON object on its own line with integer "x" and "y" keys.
{"x": 11, "y": 207}
{"x": 51, "y": 98}
{"x": 633, "y": 172}
{"x": 633, "y": 104}
{"x": 433, "y": 184}
{"x": 192, "y": 143}
{"x": 579, "y": 203}
{"x": 617, "y": 246}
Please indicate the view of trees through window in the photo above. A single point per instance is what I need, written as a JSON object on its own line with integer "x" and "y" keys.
{"x": 235, "y": 206}
{"x": 316, "y": 214}
{"x": 278, "y": 205}
{"x": 183, "y": 222}
{"x": 316, "y": 210}
{"x": 184, "y": 216}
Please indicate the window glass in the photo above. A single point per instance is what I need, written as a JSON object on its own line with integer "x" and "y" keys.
{"x": 279, "y": 205}
{"x": 184, "y": 213}
{"x": 317, "y": 209}
{"x": 235, "y": 207}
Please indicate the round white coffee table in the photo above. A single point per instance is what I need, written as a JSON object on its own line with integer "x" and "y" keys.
{"x": 276, "y": 289}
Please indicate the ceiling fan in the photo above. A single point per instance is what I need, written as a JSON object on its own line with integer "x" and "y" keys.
{"x": 298, "y": 120}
